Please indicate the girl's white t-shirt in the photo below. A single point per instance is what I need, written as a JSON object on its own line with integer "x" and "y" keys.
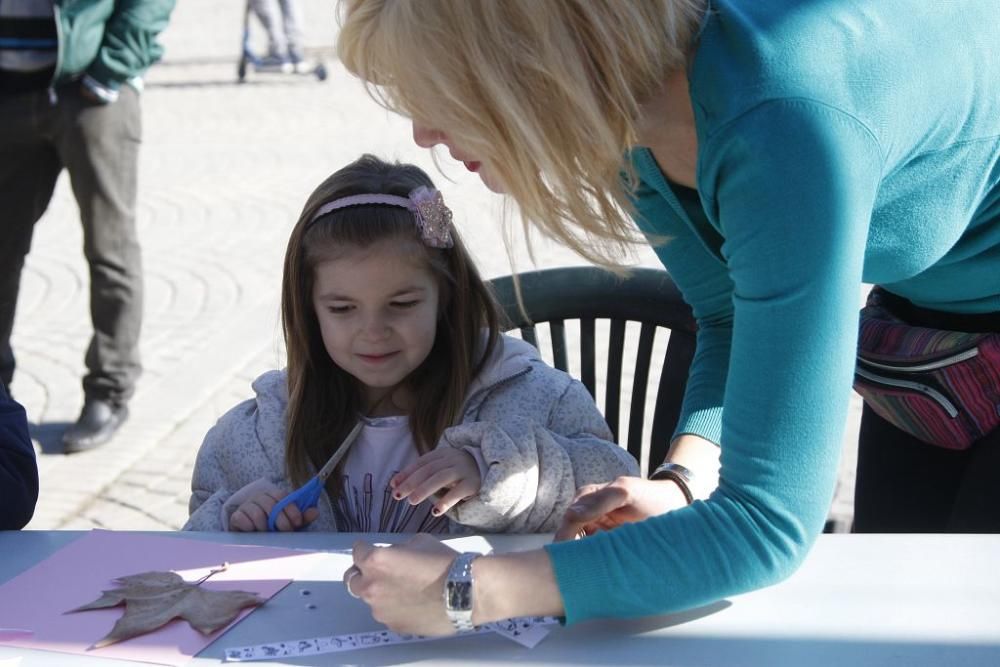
{"x": 365, "y": 505}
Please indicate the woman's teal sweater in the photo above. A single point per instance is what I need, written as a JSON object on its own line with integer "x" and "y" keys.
{"x": 839, "y": 142}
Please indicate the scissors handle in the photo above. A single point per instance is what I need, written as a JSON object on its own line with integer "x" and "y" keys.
{"x": 305, "y": 497}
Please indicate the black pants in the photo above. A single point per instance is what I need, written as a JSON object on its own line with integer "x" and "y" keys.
{"x": 99, "y": 147}
{"x": 907, "y": 486}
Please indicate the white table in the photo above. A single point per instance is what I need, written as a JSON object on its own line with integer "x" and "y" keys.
{"x": 904, "y": 600}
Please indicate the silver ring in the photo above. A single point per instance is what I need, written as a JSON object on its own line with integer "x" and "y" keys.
{"x": 352, "y": 572}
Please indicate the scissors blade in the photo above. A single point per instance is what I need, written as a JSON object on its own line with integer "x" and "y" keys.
{"x": 327, "y": 469}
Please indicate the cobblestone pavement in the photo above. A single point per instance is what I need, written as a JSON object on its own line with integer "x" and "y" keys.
{"x": 225, "y": 169}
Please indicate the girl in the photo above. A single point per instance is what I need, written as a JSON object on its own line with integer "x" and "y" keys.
{"x": 778, "y": 154}
{"x": 387, "y": 321}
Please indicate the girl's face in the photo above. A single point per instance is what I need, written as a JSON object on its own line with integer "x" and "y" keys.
{"x": 377, "y": 309}
{"x": 427, "y": 137}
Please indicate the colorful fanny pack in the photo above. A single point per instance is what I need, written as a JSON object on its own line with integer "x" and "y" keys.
{"x": 942, "y": 387}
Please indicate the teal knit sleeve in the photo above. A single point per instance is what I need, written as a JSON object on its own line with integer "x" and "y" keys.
{"x": 704, "y": 282}
{"x": 791, "y": 185}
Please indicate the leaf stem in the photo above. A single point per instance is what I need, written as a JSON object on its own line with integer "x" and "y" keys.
{"x": 222, "y": 568}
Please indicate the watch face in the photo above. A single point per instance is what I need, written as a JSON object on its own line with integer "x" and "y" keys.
{"x": 458, "y": 596}
{"x": 458, "y": 591}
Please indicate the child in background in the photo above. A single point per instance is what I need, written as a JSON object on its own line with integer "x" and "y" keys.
{"x": 282, "y": 20}
{"x": 387, "y": 321}
{"x": 18, "y": 470}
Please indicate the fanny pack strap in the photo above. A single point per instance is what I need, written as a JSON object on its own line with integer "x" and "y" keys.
{"x": 914, "y": 315}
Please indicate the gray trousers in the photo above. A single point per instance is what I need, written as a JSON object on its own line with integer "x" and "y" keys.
{"x": 282, "y": 20}
{"x": 99, "y": 147}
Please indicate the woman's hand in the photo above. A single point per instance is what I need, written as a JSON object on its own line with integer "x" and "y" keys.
{"x": 451, "y": 473}
{"x": 252, "y": 513}
{"x": 404, "y": 584}
{"x": 600, "y": 507}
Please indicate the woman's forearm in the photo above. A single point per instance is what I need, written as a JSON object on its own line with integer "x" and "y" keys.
{"x": 515, "y": 584}
{"x": 699, "y": 455}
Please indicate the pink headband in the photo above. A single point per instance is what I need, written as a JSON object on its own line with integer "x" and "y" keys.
{"x": 427, "y": 205}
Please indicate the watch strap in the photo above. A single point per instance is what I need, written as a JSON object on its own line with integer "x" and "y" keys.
{"x": 679, "y": 475}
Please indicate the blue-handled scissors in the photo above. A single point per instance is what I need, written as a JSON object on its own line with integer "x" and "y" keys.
{"x": 307, "y": 495}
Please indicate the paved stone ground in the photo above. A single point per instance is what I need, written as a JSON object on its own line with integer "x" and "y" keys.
{"x": 225, "y": 170}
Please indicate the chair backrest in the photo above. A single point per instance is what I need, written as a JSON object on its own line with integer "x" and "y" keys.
{"x": 647, "y": 297}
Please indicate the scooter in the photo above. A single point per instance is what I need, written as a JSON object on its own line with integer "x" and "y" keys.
{"x": 251, "y": 61}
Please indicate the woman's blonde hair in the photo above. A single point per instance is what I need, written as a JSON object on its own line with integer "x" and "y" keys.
{"x": 323, "y": 399}
{"x": 548, "y": 93}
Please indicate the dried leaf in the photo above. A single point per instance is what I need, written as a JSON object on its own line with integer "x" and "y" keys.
{"x": 153, "y": 599}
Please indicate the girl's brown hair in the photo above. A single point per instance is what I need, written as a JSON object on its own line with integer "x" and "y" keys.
{"x": 548, "y": 93}
{"x": 323, "y": 399}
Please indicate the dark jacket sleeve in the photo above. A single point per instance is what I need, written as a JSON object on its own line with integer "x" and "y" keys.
{"x": 18, "y": 470}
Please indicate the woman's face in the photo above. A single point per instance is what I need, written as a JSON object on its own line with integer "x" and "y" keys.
{"x": 427, "y": 137}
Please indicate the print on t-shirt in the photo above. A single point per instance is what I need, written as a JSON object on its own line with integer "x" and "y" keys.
{"x": 358, "y": 508}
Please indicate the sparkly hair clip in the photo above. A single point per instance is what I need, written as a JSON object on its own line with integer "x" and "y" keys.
{"x": 433, "y": 217}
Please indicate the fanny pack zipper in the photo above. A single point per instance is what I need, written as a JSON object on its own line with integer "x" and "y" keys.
{"x": 928, "y": 391}
{"x": 928, "y": 366}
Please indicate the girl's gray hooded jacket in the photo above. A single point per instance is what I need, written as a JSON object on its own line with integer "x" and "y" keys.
{"x": 540, "y": 437}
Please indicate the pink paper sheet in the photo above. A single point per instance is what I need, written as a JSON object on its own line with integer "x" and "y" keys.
{"x": 76, "y": 574}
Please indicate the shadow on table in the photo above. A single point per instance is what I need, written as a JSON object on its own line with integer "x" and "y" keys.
{"x": 619, "y": 639}
{"x": 749, "y": 652}
{"x": 628, "y": 642}
{"x": 665, "y": 651}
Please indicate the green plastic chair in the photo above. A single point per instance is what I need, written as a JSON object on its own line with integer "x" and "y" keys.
{"x": 647, "y": 297}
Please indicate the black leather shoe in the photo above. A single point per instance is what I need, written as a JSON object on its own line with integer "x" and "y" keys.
{"x": 98, "y": 421}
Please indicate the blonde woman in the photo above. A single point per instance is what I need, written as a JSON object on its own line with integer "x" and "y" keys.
{"x": 777, "y": 155}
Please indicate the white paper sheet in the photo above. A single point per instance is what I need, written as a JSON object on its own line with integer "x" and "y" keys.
{"x": 526, "y": 631}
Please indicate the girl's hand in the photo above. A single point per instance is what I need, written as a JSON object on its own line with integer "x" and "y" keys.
{"x": 252, "y": 514}
{"x": 600, "y": 507}
{"x": 404, "y": 584}
{"x": 453, "y": 471}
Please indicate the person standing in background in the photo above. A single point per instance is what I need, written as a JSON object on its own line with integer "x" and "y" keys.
{"x": 70, "y": 77}
{"x": 282, "y": 20}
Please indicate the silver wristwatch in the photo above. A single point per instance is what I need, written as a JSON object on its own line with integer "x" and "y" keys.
{"x": 458, "y": 592}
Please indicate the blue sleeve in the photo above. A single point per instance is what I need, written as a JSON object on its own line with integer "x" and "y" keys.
{"x": 18, "y": 470}
{"x": 705, "y": 284}
{"x": 792, "y": 184}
